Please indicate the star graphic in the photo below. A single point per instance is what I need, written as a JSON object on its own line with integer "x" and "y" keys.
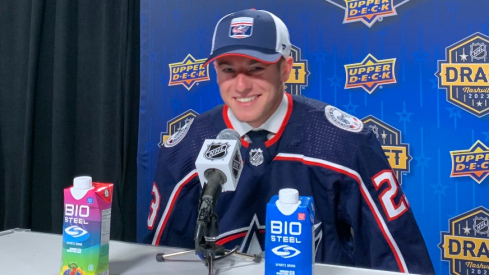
{"x": 335, "y": 81}
{"x": 404, "y": 116}
{"x": 320, "y": 56}
{"x": 434, "y": 83}
{"x": 466, "y": 230}
{"x": 422, "y": 161}
{"x": 420, "y": 56}
{"x": 439, "y": 188}
{"x": 487, "y": 135}
{"x": 463, "y": 56}
{"x": 454, "y": 113}
{"x": 479, "y": 103}
{"x": 350, "y": 108}
{"x": 384, "y": 135}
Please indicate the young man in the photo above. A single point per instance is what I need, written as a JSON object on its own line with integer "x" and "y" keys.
{"x": 362, "y": 216}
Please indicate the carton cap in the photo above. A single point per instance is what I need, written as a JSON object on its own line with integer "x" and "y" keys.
{"x": 83, "y": 182}
{"x": 288, "y": 195}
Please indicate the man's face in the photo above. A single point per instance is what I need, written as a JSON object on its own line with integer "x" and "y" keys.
{"x": 253, "y": 90}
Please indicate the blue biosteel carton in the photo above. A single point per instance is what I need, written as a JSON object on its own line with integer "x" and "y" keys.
{"x": 289, "y": 244}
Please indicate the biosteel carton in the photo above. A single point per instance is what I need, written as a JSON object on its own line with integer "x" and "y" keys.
{"x": 86, "y": 228}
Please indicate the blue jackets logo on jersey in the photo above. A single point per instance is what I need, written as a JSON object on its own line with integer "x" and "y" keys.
{"x": 299, "y": 74}
{"x": 390, "y": 138}
{"x": 464, "y": 72}
{"x": 370, "y": 73}
{"x": 473, "y": 162}
{"x": 466, "y": 245}
{"x": 367, "y": 11}
{"x": 188, "y": 72}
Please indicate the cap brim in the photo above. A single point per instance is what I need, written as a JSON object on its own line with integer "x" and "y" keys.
{"x": 261, "y": 55}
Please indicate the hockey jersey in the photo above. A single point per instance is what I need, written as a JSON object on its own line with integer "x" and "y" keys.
{"x": 362, "y": 219}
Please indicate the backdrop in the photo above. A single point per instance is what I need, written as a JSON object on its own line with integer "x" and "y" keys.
{"x": 414, "y": 71}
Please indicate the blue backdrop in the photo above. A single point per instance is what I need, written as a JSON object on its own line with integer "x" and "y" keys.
{"x": 414, "y": 71}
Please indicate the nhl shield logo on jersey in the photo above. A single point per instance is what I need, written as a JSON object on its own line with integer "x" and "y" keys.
{"x": 367, "y": 11}
{"x": 473, "y": 162}
{"x": 370, "y": 73}
{"x": 256, "y": 156}
{"x": 188, "y": 72}
{"x": 464, "y": 74}
{"x": 177, "y": 128}
{"x": 390, "y": 138}
{"x": 216, "y": 150}
{"x": 299, "y": 74}
{"x": 343, "y": 120}
{"x": 466, "y": 245}
{"x": 241, "y": 27}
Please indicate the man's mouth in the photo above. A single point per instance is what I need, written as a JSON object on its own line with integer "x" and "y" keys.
{"x": 246, "y": 99}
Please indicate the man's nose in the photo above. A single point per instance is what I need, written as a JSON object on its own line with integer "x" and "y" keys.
{"x": 243, "y": 83}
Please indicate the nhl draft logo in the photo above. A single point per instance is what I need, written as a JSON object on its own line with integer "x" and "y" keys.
{"x": 177, "y": 128}
{"x": 367, "y": 11}
{"x": 370, "y": 73}
{"x": 241, "y": 27}
{"x": 299, "y": 74}
{"x": 473, "y": 162}
{"x": 216, "y": 150}
{"x": 390, "y": 138}
{"x": 188, "y": 72}
{"x": 464, "y": 74}
{"x": 256, "y": 156}
{"x": 466, "y": 245}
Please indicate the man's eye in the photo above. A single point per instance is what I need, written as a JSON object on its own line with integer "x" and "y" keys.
{"x": 228, "y": 70}
{"x": 257, "y": 69}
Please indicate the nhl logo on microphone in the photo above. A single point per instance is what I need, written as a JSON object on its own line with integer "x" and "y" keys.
{"x": 256, "y": 156}
{"x": 216, "y": 150}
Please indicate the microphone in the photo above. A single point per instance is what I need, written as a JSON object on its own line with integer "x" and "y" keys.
{"x": 219, "y": 167}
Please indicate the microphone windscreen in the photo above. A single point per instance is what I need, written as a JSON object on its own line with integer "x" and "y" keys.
{"x": 229, "y": 134}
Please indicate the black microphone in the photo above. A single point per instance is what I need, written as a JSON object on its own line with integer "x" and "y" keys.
{"x": 219, "y": 166}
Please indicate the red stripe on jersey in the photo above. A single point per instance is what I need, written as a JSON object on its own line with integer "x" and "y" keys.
{"x": 230, "y": 238}
{"x": 354, "y": 175}
{"x": 171, "y": 203}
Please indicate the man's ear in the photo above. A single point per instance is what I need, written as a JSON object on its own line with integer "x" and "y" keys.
{"x": 286, "y": 68}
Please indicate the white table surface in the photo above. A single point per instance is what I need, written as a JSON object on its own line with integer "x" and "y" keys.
{"x": 26, "y": 252}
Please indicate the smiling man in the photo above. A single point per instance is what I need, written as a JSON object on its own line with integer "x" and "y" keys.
{"x": 362, "y": 217}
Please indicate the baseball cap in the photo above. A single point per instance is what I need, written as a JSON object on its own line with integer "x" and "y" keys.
{"x": 256, "y": 34}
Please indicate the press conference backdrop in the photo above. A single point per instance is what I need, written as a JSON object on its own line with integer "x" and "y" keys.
{"x": 416, "y": 73}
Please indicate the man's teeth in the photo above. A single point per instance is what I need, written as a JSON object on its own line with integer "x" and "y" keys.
{"x": 246, "y": 99}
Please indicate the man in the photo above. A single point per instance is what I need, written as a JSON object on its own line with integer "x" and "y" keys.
{"x": 362, "y": 216}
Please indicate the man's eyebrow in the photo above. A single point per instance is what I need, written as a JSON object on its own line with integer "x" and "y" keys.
{"x": 225, "y": 62}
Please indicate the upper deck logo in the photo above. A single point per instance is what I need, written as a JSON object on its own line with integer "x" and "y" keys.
{"x": 466, "y": 245}
{"x": 367, "y": 11}
{"x": 370, "y": 73}
{"x": 188, "y": 72}
{"x": 473, "y": 162}
{"x": 177, "y": 128}
{"x": 464, "y": 74}
{"x": 390, "y": 138}
{"x": 299, "y": 73}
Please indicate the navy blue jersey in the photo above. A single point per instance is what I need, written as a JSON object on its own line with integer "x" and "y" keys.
{"x": 363, "y": 219}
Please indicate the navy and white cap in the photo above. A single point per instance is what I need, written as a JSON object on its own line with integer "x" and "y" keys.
{"x": 256, "y": 34}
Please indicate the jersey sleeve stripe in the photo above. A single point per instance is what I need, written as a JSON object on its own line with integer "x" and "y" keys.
{"x": 171, "y": 203}
{"x": 366, "y": 195}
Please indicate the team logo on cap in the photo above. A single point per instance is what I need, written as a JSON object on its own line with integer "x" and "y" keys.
{"x": 473, "y": 162}
{"x": 177, "y": 128}
{"x": 466, "y": 245}
{"x": 367, "y": 11}
{"x": 464, "y": 74}
{"x": 299, "y": 74}
{"x": 188, "y": 72}
{"x": 370, "y": 73}
{"x": 390, "y": 138}
{"x": 241, "y": 27}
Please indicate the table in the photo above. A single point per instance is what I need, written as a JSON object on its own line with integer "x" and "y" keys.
{"x": 25, "y": 252}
